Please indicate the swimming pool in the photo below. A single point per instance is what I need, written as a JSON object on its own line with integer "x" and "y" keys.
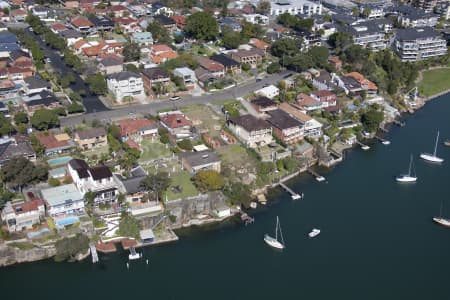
{"x": 36, "y": 234}
{"x": 58, "y": 161}
{"x": 66, "y": 221}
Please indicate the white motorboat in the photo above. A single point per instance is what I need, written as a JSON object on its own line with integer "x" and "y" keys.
{"x": 432, "y": 157}
{"x": 315, "y": 232}
{"x": 440, "y": 219}
{"x": 320, "y": 178}
{"x": 274, "y": 242}
{"x": 410, "y": 177}
{"x": 386, "y": 142}
{"x": 365, "y": 147}
{"x": 134, "y": 256}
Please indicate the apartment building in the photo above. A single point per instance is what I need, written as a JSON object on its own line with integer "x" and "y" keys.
{"x": 414, "y": 44}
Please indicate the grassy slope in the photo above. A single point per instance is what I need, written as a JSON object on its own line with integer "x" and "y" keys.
{"x": 434, "y": 81}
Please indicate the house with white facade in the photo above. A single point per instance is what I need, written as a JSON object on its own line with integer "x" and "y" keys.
{"x": 98, "y": 180}
{"x": 63, "y": 200}
{"x": 125, "y": 84}
{"x": 311, "y": 127}
{"x": 187, "y": 75}
{"x": 270, "y": 91}
{"x": 253, "y": 132}
{"x": 294, "y": 7}
{"x": 414, "y": 44}
{"x": 256, "y": 19}
{"x": 22, "y": 215}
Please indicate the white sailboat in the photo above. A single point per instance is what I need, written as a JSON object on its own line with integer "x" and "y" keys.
{"x": 273, "y": 242}
{"x": 315, "y": 232}
{"x": 410, "y": 177}
{"x": 440, "y": 219}
{"x": 432, "y": 157}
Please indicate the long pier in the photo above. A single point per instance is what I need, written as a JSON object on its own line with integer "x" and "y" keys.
{"x": 383, "y": 141}
{"x": 399, "y": 123}
{"x": 294, "y": 195}
{"x": 364, "y": 147}
{"x": 94, "y": 253}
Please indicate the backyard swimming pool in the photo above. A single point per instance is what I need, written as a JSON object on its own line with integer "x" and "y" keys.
{"x": 58, "y": 161}
{"x": 36, "y": 234}
{"x": 66, "y": 221}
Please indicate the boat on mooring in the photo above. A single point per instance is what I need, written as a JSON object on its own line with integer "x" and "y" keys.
{"x": 447, "y": 143}
{"x": 432, "y": 157}
{"x": 274, "y": 242}
{"x": 411, "y": 176}
{"x": 315, "y": 232}
{"x": 440, "y": 219}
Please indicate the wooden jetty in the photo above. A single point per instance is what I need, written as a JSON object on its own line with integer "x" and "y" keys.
{"x": 294, "y": 195}
{"x": 383, "y": 141}
{"x": 247, "y": 219}
{"x": 316, "y": 175}
{"x": 384, "y": 129}
{"x": 133, "y": 254}
{"x": 94, "y": 253}
{"x": 364, "y": 147}
{"x": 399, "y": 123}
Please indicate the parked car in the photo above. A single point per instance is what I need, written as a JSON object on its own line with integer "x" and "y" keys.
{"x": 174, "y": 98}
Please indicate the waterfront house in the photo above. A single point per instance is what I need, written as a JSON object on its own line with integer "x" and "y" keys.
{"x": 55, "y": 144}
{"x": 125, "y": 84}
{"x": 415, "y": 44}
{"x": 89, "y": 139}
{"x": 176, "y": 123}
{"x": 63, "y": 200}
{"x": 199, "y": 161}
{"x": 286, "y": 128}
{"x": 311, "y": 127}
{"x": 253, "y": 132}
{"x": 22, "y": 215}
{"x": 98, "y": 180}
{"x": 137, "y": 129}
{"x": 367, "y": 85}
{"x": 152, "y": 76}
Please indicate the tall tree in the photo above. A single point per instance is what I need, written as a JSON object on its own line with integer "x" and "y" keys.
{"x": 157, "y": 183}
{"x": 44, "y": 119}
{"x": 97, "y": 84}
{"x": 18, "y": 172}
{"x": 131, "y": 52}
{"x": 202, "y": 26}
{"x": 208, "y": 180}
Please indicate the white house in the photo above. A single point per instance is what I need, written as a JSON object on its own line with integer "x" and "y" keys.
{"x": 186, "y": 74}
{"x": 22, "y": 215}
{"x": 294, "y": 7}
{"x": 63, "y": 200}
{"x": 256, "y": 19}
{"x": 98, "y": 180}
{"x": 125, "y": 84}
{"x": 270, "y": 91}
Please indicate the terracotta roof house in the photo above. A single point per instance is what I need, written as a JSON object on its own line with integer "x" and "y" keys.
{"x": 19, "y": 73}
{"x": 20, "y": 216}
{"x": 18, "y": 15}
{"x": 180, "y": 21}
{"x": 229, "y": 64}
{"x": 91, "y": 138}
{"x": 161, "y": 53}
{"x": 157, "y": 75}
{"x": 288, "y": 129}
{"x": 176, "y": 123}
{"x": 253, "y": 132}
{"x": 102, "y": 48}
{"x": 257, "y": 43}
{"x": 55, "y": 143}
{"x": 367, "y": 85}
{"x": 308, "y": 103}
{"x": 194, "y": 162}
{"x": 327, "y": 98}
{"x": 82, "y": 24}
{"x": 58, "y": 27}
{"x": 213, "y": 67}
{"x": 137, "y": 128}
{"x": 119, "y": 10}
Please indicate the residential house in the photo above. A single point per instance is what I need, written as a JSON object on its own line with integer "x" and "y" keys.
{"x": 98, "y": 180}
{"x": 327, "y": 98}
{"x": 119, "y": 10}
{"x": 311, "y": 127}
{"x": 204, "y": 77}
{"x": 142, "y": 38}
{"x": 21, "y": 216}
{"x": 18, "y": 15}
{"x": 367, "y": 85}
{"x": 187, "y": 75}
{"x": 42, "y": 99}
{"x": 215, "y": 68}
{"x": 349, "y": 84}
{"x": 16, "y": 146}
{"x": 294, "y": 7}
{"x": 370, "y": 34}
{"x": 8, "y": 43}
{"x": 161, "y": 53}
{"x": 270, "y": 91}
{"x": 40, "y": 11}
{"x": 89, "y": 139}
{"x": 308, "y": 103}
{"x": 256, "y": 19}
{"x": 180, "y": 21}
{"x": 336, "y": 62}
{"x": 125, "y": 84}
{"x": 263, "y": 104}
{"x": 8, "y": 89}
{"x": 176, "y": 123}
{"x": 110, "y": 65}
{"x": 72, "y": 4}
{"x": 58, "y": 28}
{"x": 152, "y": 76}
{"x": 197, "y": 161}
{"x": 409, "y": 16}
{"x": 35, "y": 85}
{"x": 324, "y": 81}
{"x": 258, "y": 44}
{"x": 63, "y": 200}
{"x": 4, "y": 111}
{"x": 55, "y": 143}
{"x": 286, "y": 128}
{"x": 71, "y": 36}
{"x": 427, "y": 5}
{"x": 415, "y": 44}
{"x": 253, "y": 132}
{"x": 230, "y": 65}
{"x": 231, "y": 23}
{"x": 166, "y": 22}
{"x": 127, "y": 24}
{"x": 82, "y": 24}
{"x": 100, "y": 49}
{"x": 159, "y": 9}
{"x": 137, "y": 128}
{"x": 101, "y": 23}
{"x": 20, "y": 73}
{"x": 252, "y": 57}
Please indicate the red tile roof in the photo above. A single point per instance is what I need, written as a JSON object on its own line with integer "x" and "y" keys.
{"x": 132, "y": 126}
{"x": 362, "y": 80}
{"x": 58, "y": 27}
{"x": 80, "y": 21}
{"x": 50, "y": 142}
{"x": 28, "y": 206}
{"x": 175, "y": 120}
{"x": 118, "y": 8}
{"x": 210, "y": 65}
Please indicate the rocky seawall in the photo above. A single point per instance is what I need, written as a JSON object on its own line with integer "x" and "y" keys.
{"x": 12, "y": 255}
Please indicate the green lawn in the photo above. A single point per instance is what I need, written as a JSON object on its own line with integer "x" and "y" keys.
{"x": 434, "y": 81}
{"x": 183, "y": 181}
{"x": 153, "y": 150}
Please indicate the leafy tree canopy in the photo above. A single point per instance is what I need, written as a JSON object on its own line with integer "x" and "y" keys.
{"x": 18, "y": 172}
{"x": 44, "y": 119}
{"x": 208, "y": 180}
{"x": 202, "y": 26}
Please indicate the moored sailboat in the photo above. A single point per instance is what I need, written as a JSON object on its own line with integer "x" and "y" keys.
{"x": 274, "y": 242}
{"x": 440, "y": 219}
{"x": 432, "y": 157}
{"x": 410, "y": 177}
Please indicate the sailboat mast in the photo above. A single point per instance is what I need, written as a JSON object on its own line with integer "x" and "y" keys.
{"x": 410, "y": 164}
{"x": 435, "y": 146}
{"x": 276, "y": 230}
{"x": 440, "y": 211}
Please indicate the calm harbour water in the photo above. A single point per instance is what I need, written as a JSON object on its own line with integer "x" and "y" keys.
{"x": 377, "y": 242}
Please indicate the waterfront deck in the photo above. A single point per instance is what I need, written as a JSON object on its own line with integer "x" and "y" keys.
{"x": 316, "y": 175}
{"x": 294, "y": 195}
{"x": 94, "y": 253}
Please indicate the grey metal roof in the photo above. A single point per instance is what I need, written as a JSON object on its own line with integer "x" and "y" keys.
{"x": 282, "y": 120}
{"x": 125, "y": 75}
{"x": 250, "y": 123}
{"x": 109, "y": 62}
{"x": 416, "y": 33}
{"x": 91, "y": 133}
{"x": 200, "y": 158}
{"x": 70, "y": 34}
{"x": 36, "y": 83}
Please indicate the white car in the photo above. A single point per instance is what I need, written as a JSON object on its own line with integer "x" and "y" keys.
{"x": 174, "y": 98}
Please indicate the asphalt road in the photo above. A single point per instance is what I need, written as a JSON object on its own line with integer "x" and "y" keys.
{"x": 91, "y": 102}
{"x": 154, "y": 107}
